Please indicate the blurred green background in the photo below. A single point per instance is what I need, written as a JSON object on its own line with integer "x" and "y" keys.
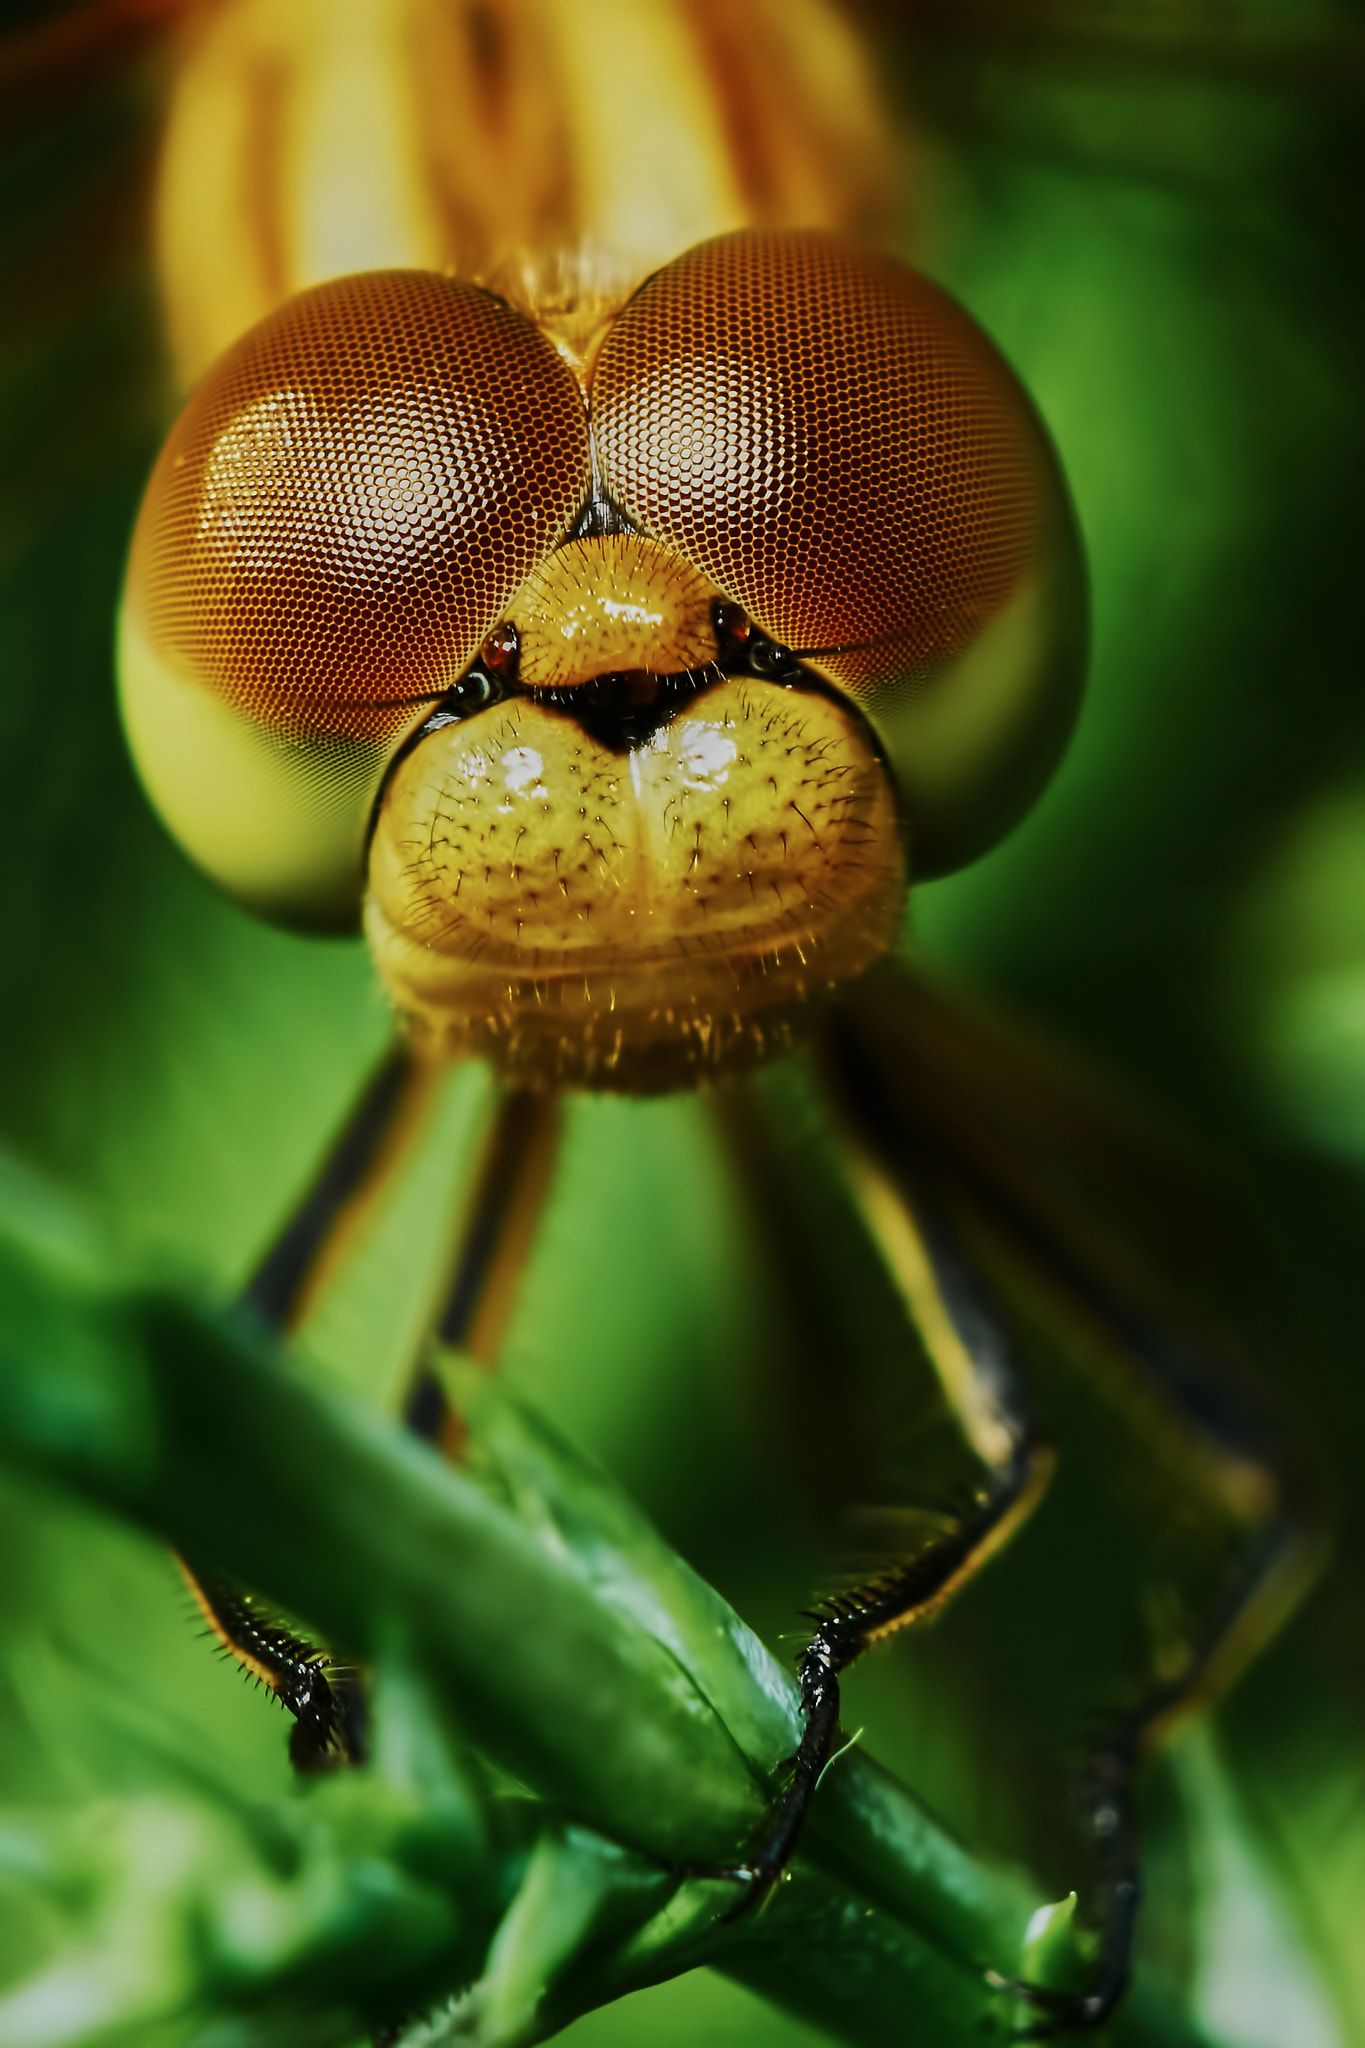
{"x": 1155, "y": 210}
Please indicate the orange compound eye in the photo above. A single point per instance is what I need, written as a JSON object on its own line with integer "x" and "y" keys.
{"x": 837, "y": 447}
{"x": 336, "y": 521}
{"x": 351, "y": 495}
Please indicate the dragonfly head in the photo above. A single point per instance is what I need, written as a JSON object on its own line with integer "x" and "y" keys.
{"x": 625, "y": 696}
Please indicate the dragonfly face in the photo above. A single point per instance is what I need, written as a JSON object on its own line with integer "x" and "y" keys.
{"x": 639, "y": 677}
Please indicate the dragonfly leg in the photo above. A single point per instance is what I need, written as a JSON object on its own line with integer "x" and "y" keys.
{"x": 355, "y": 1170}
{"x": 865, "y": 1615}
{"x": 970, "y": 1352}
{"x": 495, "y": 1236}
{"x": 1044, "y": 1176}
{"x": 1107, "y": 1786}
{"x": 510, "y": 1183}
{"x": 325, "y": 1699}
{"x": 509, "y": 1187}
{"x": 1276, "y": 1561}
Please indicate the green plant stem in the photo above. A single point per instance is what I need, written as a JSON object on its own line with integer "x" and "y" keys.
{"x": 186, "y": 1423}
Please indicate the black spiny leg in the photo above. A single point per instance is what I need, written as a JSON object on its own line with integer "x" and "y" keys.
{"x": 509, "y": 1187}
{"x": 1046, "y": 1175}
{"x": 510, "y": 1184}
{"x": 1106, "y": 1793}
{"x": 325, "y": 1700}
{"x": 856, "y": 1620}
{"x": 970, "y": 1352}
{"x": 1276, "y": 1561}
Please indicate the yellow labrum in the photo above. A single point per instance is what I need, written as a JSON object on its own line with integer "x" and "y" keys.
{"x": 629, "y": 916}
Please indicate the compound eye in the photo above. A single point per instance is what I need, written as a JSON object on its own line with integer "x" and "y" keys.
{"x": 337, "y": 520}
{"x": 837, "y": 447}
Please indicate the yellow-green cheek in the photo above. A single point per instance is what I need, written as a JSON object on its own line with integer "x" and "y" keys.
{"x": 279, "y": 823}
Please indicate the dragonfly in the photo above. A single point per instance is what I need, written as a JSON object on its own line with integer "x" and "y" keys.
{"x": 621, "y": 639}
